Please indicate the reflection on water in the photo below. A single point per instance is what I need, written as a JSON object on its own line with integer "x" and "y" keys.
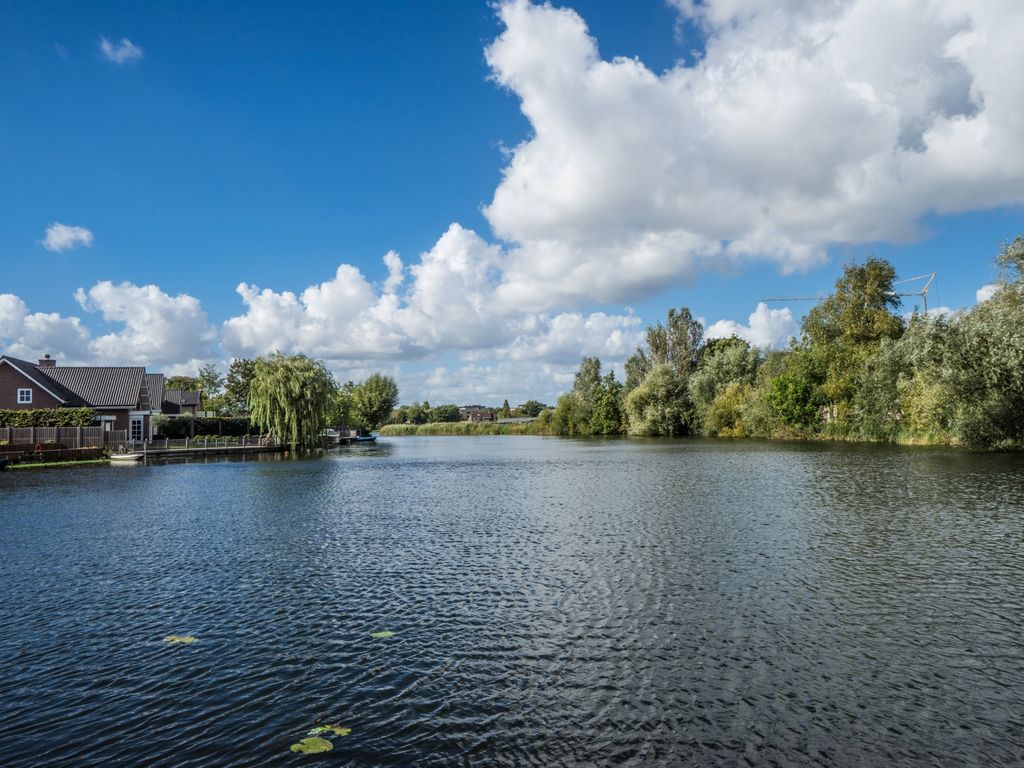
{"x": 553, "y": 602}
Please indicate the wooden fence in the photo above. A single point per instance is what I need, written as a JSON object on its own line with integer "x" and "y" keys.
{"x": 53, "y": 438}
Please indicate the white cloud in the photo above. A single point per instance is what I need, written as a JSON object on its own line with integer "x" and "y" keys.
{"x": 451, "y": 303}
{"x": 61, "y": 237}
{"x": 120, "y": 53}
{"x": 766, "y": 328}
{"x": 156, "y": 328}
{"x": 801, "y": 126}
{"x": 32, "y": 334}
{"x": 986, "y": 292}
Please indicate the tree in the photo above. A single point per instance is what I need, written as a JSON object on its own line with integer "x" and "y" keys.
{"x": 237, "y": 385}
{"x": 606, "y": 416}
{"x": 446, "y": 412}
{"x": 531, "y": 408}
{"x": 506, "y": 410}
{"x": 290, "y": 397}
{"x": 210, "y": 380}
{"x": 660, "y": 405}
{"x": 729, "y": 361}
{"x": 183, "y": 383}
{"x": 862, "y": 309}
{"x": 374, "y": 399}
{"x": 792, "y": 399}
{"x": 675, "y": 344}
{"x": 341, "y": 412}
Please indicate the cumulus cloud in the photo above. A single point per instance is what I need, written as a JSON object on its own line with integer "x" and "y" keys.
{"x": 450, "y": 303}
{"x": 803, "y": 124}
{"x": 32, "y": 334}
{"x": 765, "y": 328}
{"x": 61, "y": 237}
{"x": 986, "y": 292}
{"x": 155, "y": 327}
{"x": 120, "y": 53}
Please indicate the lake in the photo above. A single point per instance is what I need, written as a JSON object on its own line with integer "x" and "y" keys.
{"x": 552, "y": 602}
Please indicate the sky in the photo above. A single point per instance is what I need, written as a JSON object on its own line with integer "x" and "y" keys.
{"x": 470, "y": 196}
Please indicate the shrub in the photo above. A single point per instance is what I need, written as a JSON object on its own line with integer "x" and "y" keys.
{"x": 49, "y": 417}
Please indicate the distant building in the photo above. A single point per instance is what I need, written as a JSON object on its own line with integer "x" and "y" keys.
{"x": 476, "y": 413}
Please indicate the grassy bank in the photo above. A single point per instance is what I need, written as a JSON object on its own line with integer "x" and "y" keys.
{"x": 42, "y": 464}
{"x": 465, "y": 428}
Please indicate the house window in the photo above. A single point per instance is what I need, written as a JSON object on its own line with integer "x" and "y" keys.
{"x": 136, "y": 429}
{"x": 24, "y": 395}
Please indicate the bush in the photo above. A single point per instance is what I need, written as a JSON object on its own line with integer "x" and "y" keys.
{"x": 49, "y": 417}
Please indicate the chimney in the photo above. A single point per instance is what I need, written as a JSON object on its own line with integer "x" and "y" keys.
{"x": 47, "y": 362}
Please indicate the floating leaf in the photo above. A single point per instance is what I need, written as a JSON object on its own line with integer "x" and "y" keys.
{"x": 312, "y": 746}
{"x": 381, "y": 635}
{"x": 338, "y": 730}
{"x": 186, "y": 639}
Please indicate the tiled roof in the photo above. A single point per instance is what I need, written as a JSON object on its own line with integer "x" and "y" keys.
{"x": 155, "y": 383}
{"x": 31, "y": 371}
{"x": 182, "y": 397}
{"x": 100, "y": 387}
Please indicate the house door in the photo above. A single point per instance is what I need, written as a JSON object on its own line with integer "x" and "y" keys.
{"x": 135, "y": 425}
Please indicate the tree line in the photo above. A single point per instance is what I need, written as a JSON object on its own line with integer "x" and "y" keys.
{"x": 293, "y": 397}
{"x": 858, "y": 371}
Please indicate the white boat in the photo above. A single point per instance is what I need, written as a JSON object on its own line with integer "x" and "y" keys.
{"x": 127, "y": 457}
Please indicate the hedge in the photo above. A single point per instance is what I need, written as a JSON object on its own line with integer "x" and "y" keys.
{"x": 49, "y": 417}
{"x": 188, "y": 426}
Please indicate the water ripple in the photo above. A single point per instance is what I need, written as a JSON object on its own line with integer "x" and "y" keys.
{"x": 553, "y": 603}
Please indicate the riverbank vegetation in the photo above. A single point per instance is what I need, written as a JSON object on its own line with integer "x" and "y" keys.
{"x": 859, "y": 371}
{"x": 295, "y": 398}
{"x": 542, "y": 426}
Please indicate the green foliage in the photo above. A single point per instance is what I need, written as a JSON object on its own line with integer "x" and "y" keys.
{"x": 49, "y": 417}
{"x": 791, "y": 398}
{"x": 184, "y": 383}
{"x": 862, "y": 309}
{"x": 210, "y": 380}
{"x": 374, "y": 399}
{"x": 723, "y": 417}
{"x": 594, "y": 407}
{"x": 290, "y": 397}
{"x": 542, "y": 426}
{"x": 237, "y": 386}
{"x": 446, "y": 412}
{"x": 729, "y": 361}
{"x": 606, "y": 414}
{"x": 506, "y": 411}
{"x": 676, "y": 344}
{"x": 530, "y": 408}
{"x": 312, "y": 745}
{"x": 660, "y": 405}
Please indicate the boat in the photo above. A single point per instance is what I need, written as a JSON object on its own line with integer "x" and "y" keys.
{"x": 366, "y": 438}
{"x": 127, "y": 457}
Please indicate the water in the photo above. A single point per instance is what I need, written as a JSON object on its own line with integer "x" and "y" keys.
{"x": 553, "y": 603}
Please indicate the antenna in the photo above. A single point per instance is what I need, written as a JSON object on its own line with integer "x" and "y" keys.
{"x": 923, "y": 293}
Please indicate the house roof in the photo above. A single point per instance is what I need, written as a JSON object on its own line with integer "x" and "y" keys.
{"x": 100, "y": 387}
{"x": 182, "y": 397}
{"x": 32, "y": 372}
{"x": 155, "y": 384}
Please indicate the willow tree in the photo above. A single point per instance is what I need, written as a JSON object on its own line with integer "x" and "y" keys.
{"x": 290, "y": 397}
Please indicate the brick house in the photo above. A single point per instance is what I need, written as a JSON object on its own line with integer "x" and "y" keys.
{"x": 118, "y": 394}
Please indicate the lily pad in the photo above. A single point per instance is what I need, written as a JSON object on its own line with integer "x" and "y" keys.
{"x": 185, "y": 639}
{"x": 337, "y": 730}
{"x": 381, "y": 635}
{"x": 312, "y": 746}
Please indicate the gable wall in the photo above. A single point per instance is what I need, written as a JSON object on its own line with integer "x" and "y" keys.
{"x": 11, "y": 380}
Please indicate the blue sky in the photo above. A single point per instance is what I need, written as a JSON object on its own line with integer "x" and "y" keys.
{"x": 270, "y": 143}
